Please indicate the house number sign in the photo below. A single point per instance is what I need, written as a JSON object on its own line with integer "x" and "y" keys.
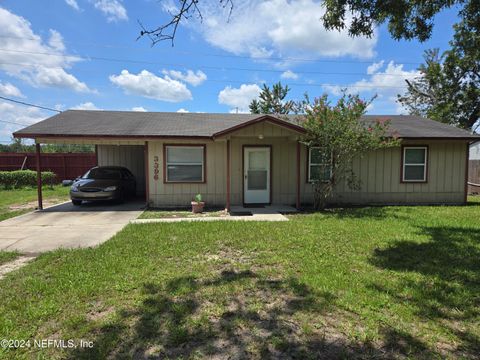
{"x": 155, "y": 168}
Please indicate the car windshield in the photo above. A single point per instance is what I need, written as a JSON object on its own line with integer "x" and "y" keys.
{"x": 102, "y": 174}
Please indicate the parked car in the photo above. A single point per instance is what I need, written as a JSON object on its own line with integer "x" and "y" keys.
{"x": 103, "y": 183}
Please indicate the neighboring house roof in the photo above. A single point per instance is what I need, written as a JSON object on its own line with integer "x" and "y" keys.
{"x": 88, "y": 123}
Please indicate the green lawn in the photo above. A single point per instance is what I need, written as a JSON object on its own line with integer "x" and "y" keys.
{"x": 392, "y": 282}
{"x": 6, "y": 256}
{"x": 20, "y": 201}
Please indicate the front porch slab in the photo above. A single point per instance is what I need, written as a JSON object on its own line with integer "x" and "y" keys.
{"x": 267, "y": 213}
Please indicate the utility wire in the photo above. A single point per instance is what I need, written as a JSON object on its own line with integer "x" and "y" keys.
{"x": 145, "y": 62}
{"x": 304, "y": 84}
{"x": 12, "y": 122}
{"x": 214, "y": 55}
{"x": 28, "y": 104}
{"x": 221, "y": 68}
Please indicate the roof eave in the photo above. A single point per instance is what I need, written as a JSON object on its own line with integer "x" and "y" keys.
{"x": 109, "y": 137}
{"x": 471, "y": 138}
{"x": 261, "y": 118}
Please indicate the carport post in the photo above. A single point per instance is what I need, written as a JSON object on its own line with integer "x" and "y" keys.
{"x": 297, "y": 202}
{"x": 227, "y": 205}
{"x": 39, "y": 178}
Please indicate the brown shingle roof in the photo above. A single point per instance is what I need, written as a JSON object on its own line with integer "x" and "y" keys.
{"x": 166, "y": 124}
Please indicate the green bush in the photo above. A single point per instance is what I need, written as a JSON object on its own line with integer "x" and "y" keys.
{"x": 21, "y": 178}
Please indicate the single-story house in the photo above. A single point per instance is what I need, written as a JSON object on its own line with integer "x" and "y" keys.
{"x": 242, "y": 159}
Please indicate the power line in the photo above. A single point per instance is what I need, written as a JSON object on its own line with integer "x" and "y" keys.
{"x": 134, "y": 61}
{"x": 305, "y": 84}
{"x": 205, "y": 67}
{"x": 28, "y": 104}
{"x": 12, "y": 122}
{"x": 216, "y": 55}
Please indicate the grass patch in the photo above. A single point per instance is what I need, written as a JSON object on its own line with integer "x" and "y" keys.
{"x": 16, "y": 202}
{"x": 181, "y": 213}
{"x": 391, "y": 282}
{"x": 6, "y": 256}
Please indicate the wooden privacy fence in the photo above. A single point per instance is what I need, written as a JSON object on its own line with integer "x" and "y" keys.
{"x": 474, "y": 177}
{"x": 65, "y": 165}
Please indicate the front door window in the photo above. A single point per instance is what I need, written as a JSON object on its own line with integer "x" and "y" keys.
{"x": 257, "y": 175}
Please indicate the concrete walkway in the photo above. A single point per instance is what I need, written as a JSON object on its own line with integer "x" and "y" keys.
{"x": 66, "y": 226}
{"x": 238, "y": 213}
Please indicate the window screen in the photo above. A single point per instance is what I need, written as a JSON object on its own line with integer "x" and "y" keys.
{"x": 184, "y": 163}
{"x": 415, "y": 163}
{"x": 319, "y": 165}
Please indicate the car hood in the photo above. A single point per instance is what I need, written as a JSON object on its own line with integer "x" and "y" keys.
{"x": 96, "y": 183}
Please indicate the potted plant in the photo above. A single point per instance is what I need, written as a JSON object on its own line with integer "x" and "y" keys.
{"x": 197, "y": 204}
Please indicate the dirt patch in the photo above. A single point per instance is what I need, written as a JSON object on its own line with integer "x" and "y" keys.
{"x": 34, "y": 204}
{"x": 99, "y": 312}
{"x": 227, "y": 257}
{"x": 13, "y": 265}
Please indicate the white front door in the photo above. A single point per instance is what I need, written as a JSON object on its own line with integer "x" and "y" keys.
{"x": 256, "y": 175}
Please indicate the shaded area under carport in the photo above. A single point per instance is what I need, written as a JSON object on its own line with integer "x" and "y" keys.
{"x": 67, "y": 226}
{"x": 129, "y": 154}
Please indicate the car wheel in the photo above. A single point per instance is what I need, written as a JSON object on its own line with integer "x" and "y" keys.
{"x": 77, "y": 202}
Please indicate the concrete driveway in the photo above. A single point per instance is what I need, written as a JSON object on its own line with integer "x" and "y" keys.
{"x": 66, "y": 226}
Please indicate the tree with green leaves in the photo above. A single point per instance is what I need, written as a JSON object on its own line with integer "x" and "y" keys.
{"x": 336, "y": 136}
{"x": 272, "y": 101}
{"x": 406, "y": 19}
{"x": 448, "y": 88}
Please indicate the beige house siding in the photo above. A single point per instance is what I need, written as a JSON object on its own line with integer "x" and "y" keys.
{"x": 379, "y": 172}
{"x": 129, "y": 156}
{"x": 213, "y": 190}
{"x": 283, "y": 166}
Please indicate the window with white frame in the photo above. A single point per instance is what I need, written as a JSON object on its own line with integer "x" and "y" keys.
{"x": 184, "y": 163}
{"x": 415, "y": 164}
{"x": 319, "y": 165}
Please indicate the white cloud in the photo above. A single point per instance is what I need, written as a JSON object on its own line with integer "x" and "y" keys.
{"x": 139, "y": 109}
{"x": 385, "y": 83}
{"x": 23, "y": 115}
{"x": 372, "y": 69}
{"x": 151, "y": 86}
{"x": 239, "y": 98}
{"x": 182, "y": 110}
{"x": 280, "y": 28}
{"x": 189, "y": 77}
{"x": 26, "y": 56}
{"x": 7, "y": 89}
{"x": 73, "y": 4}
{"x": 112, "y": 9}
{"x": 56, "y": 40}
{"x": 289, "y": 75}
{"x": 85, "y": 106}
{"x": 59, "y": 78}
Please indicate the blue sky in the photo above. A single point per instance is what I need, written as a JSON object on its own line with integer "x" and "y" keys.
{"x": 84, "y": 54}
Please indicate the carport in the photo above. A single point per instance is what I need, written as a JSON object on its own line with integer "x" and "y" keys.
{"x": 129, "y": 153}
